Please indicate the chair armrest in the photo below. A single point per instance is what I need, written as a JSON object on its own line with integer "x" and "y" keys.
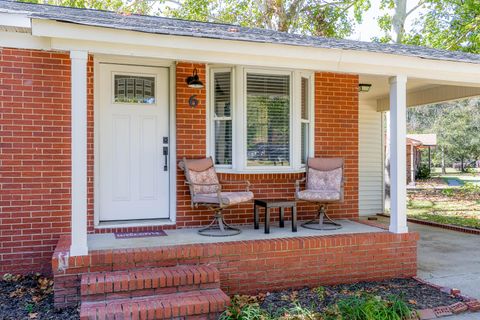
{"x": 245, "y": 182}
{"x": 202, "y": 184}
{"x": 297, "y": 184}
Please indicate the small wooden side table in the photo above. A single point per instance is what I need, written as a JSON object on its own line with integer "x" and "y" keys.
{"x": 274, "y": 203}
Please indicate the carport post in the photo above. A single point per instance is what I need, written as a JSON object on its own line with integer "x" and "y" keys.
{"x": 398, "y": 161}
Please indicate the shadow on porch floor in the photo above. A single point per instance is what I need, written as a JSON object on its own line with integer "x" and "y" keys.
{"x": 190, "y": 236}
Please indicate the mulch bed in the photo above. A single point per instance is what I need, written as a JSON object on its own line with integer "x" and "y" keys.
{"x": 417, "y": 295}
{"x": 30, "y": 297}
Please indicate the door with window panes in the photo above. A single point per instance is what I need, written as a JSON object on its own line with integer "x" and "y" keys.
{"x": 133, "y": 133}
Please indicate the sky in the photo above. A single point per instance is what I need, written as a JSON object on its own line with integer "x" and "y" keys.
{"x": 369, "y": 28}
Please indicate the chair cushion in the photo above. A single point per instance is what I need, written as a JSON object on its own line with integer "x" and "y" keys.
{"x": 228, "y": 198}
{"x": 319, "y": 195}
{"x": 206, "y": 176}
{"x": 324, "y": 180}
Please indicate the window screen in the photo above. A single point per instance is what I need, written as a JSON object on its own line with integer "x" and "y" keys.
{"x": 222, "y": 117}
{"x": 268, "y": 120}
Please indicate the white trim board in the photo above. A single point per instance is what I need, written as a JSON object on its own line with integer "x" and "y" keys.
{"x": 66, "y": 36}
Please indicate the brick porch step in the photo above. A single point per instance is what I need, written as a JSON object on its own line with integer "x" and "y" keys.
{"x": 98, "y": 286}
{"x": 200, "y": 304}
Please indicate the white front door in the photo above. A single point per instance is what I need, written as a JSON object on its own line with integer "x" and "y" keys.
{"x": 134, "y": 143}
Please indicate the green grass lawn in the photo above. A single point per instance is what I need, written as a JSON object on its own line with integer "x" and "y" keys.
{"x": 445, "y": 210}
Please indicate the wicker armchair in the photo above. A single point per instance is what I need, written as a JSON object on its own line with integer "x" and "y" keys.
{"x": 324, "y": 184}
{"x": 206, "y": 191}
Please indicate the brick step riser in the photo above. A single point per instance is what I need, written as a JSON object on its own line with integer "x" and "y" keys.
{"x": 188, "y": 305}
{"x": 177, "y": 278}
{"x": 134, "y": 293}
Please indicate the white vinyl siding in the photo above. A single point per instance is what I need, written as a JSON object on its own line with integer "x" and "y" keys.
{"x": 370, "y": 160}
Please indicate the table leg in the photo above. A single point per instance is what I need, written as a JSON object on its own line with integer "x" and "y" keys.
{"x": 282, "y": 217}
{"x": 267, "y": 220}
{"x": 255, "y": 216}
{"x": 294, "y": 219}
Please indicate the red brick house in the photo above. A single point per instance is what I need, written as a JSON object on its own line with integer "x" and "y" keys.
{"x": 89, "y": 101}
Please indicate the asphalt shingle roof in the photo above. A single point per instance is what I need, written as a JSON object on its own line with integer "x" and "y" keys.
{"x": 177, "y": 27}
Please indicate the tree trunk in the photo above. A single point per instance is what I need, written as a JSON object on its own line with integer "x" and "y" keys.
{"x": 444, "y": 170}
{"x": 398, "y": 20}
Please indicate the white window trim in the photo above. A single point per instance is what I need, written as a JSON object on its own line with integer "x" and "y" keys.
{"x": 239, "y": 119}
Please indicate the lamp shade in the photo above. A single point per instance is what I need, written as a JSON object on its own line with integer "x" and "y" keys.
{"x": 194, "y": 81}
{"x": 364, "y": 87}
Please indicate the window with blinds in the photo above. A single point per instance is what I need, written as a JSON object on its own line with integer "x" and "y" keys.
{"x": 305, "y": 120}
{"x": 222, "y": 117}
{"x": 268, "y": 119}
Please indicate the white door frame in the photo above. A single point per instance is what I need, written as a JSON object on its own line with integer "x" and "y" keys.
{"x": 146, "y": 62}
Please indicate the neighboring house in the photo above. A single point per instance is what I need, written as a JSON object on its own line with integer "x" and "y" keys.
{"x": 416, "y": 143}
{"x": 96, "y": 114}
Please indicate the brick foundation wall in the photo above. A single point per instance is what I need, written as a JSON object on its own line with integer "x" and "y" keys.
{"x": 336, "y": 134}
{"x": 249, "y": 267}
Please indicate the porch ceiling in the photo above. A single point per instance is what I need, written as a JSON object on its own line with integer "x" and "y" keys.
{"x": 106, "y": 241}
{"x": 419, "y": 91}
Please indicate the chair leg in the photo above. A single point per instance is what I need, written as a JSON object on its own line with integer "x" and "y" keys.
{"x": 322, "y": 221}
{"x": 218, "y": 227}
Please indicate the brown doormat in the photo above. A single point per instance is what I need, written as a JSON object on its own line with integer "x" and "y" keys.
{"x": 143, "y": 234}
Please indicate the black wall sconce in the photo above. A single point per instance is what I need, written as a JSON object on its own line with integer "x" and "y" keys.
{"x": 364, "y": 87}
{"x": 194, "y": 81}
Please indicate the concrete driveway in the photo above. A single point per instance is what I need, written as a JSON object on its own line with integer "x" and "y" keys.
{"x": 449, "y": 258}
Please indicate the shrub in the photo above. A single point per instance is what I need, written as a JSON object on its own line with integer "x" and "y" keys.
{"x": 449, "y": 192}
{"x": 368, "y": 307}
{"x": 423, "y": 172}
{"x": 470, "y": 188}
{"x": 356, "y": 307}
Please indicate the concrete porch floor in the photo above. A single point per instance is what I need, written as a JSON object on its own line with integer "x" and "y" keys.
{"x": 190, "y": 236}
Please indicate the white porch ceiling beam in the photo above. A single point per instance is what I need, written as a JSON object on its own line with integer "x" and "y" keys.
{"x": 79, "y": 245}
{"x": 66, "y": 36}
{"x": 432, "y": 95}
{"x": 398, "y": 154}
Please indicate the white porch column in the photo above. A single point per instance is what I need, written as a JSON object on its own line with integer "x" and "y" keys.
{"x": 79, "y": 152}
{"x": 398, "y": 152}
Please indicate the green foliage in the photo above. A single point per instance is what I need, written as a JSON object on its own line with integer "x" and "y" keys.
{"x": 423, "y": 172}
{"x": 470, "y": 188}
{"x": 29, "y": 307}
{"x": 449, "y": 192}
{"x": 244, "y": 308}
{"x": 458, "y": 132}
{"x": 300, "y": 313}
{"x": 356, "y": 307}
{"x": 457, "y": 126}
{"x": 320, "y": 292}
{"x": 368, "y": 307}
{"x": 330, "y": 18}
{"x": 448, "y": 24}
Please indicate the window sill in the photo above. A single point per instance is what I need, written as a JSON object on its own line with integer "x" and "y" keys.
{"x": 260, "y": 171}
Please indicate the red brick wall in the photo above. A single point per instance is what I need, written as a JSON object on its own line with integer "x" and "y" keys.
{"x": 34, "y": 158}
{"x": 336, "y": 134}
{"x": 35, "y": 153}
{"x": 249, "y": 267}
{"x": 336, "y": 131}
